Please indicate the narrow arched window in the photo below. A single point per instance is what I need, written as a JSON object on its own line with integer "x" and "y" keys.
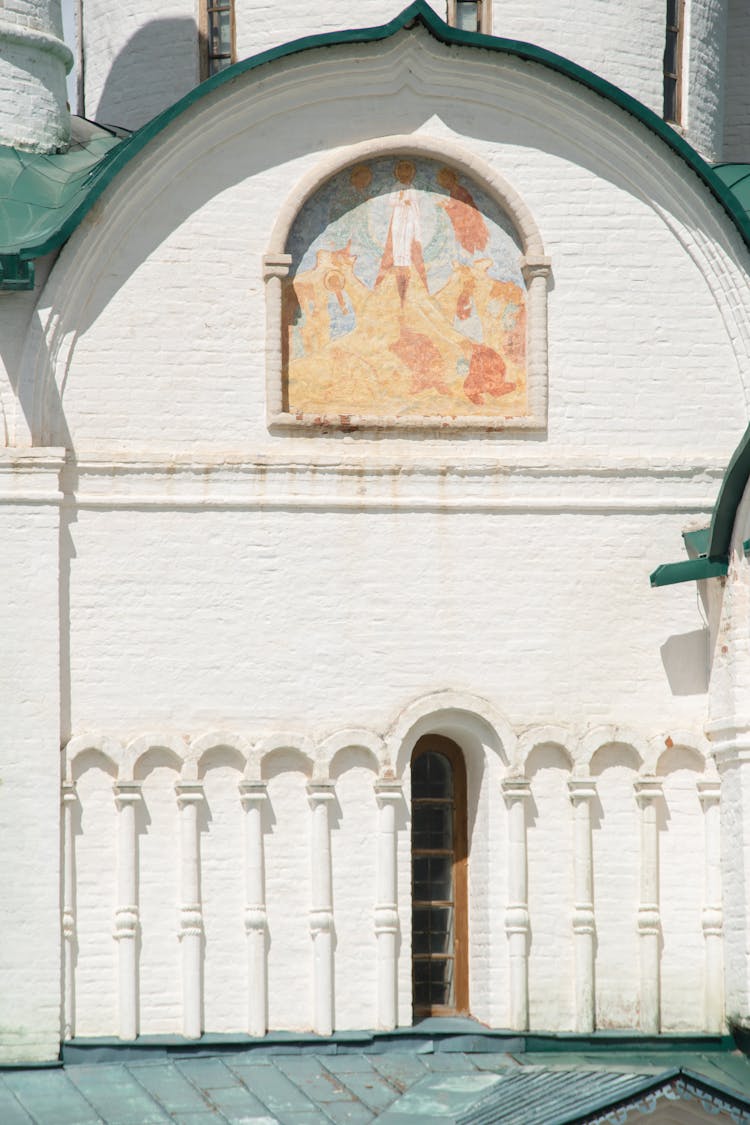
{"x": 217, "y": 50}
{"x": 470, "y": 15}
{"x": 673, "y": 50}
{"x": 440, "y": 969}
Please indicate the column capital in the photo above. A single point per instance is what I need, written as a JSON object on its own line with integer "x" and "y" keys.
{"x": 252, "y": 792}
{"x": 276, "y": 265}
{"x": 581, "y": 789}
{"x": 320, "y": 791}
{"x": 388, "y": 789}
{"x": 188, "y": 793}
{"x": 515, "y": 788}
{"x": 709, "y": 792}
{"x": 647, "y": 790}
{"x": 127, "y": 793}
{"x": 535, "y": 265}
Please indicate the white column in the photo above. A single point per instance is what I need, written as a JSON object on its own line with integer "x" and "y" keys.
{"x": 582, "y": 792}
{"x": 647, "y": 792}
{"x": 388, "y": 793}
{"x": 253, "y": 795}
{"x": 536, "y": 270}
{"x": 189, "y": 796}
{"x": 320, "y": 794}
{"x": 712, "y": 918}
{"x": 127, "y": 794}
{"x": 69, "y": 800}
{"x": 516, "y": 790}
{"x": 275, "y": 268}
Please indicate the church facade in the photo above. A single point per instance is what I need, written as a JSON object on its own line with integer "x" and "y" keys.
{"x": 350, "y": 396}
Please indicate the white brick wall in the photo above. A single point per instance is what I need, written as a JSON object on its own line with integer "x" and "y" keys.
{"x": 30, "y": 755}
{"x": 137, "y": 65}
{"x": 222, "y": 576}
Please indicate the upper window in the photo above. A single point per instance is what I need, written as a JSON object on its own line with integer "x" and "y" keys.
{"x": 470, "y": 15}
{"x": 673, "y": 61}
{"x": 216, "y": 36}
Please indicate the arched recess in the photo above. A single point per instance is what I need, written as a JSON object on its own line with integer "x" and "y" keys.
{"x": 439, "y": 857}
{"x": 358, "y": 285}
{"x": 487, "y": 745}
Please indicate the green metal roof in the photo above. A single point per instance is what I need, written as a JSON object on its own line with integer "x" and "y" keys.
{"x": 448, "y": 1072}
{"x": 44, "y": 198}
{"x": 44, "y": 195}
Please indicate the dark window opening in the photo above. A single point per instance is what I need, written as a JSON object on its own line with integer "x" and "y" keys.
{"x": 439, "y": 879}
{"x": 217, "y": 36}
{"x": 673, "y": 48}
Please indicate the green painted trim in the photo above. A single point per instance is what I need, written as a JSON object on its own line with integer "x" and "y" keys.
{"x": 15, "y": 274}
{"x": 689, "y": 570}
{"x": 418, "y": 12}
{"x": 565, "y": 1042}
{"x": 730, "y": 494}
{"x": 698, "y": 541}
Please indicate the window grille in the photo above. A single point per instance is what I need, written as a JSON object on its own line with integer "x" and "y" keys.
{"x": 217, "y": 36}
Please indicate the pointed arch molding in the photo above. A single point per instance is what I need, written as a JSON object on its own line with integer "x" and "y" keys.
{"x": 534, "y": 264}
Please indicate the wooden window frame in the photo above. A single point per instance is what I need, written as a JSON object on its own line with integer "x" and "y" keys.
{"x": 435, "y": 743}
{"x": 676, "y": 75}
{"x": 203, "y": 41}
{"x": 485, "y": 15}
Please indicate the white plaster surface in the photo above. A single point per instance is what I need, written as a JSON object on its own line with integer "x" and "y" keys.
{"x": 616, "y": 870}
{"x": 214, "y": 575}
{"x": 681, "y": 858}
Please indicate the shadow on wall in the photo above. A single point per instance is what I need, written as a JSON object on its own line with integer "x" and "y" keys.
{"x": 686, "y": 661}
{"x": 158, "y": 65}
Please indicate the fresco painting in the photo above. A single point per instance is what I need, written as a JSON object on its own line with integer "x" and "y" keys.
{"x": 405, "y": 298}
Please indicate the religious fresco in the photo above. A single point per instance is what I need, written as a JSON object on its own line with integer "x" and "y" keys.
{"x": 405, "y": 298}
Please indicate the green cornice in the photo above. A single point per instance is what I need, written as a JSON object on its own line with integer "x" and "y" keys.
{"x": 30, "y": 228}
{"x": 714, "y": 543}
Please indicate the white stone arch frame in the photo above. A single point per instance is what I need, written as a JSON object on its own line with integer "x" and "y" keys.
{"x": 535, "y": 266}
{"x": 488, "y": 745}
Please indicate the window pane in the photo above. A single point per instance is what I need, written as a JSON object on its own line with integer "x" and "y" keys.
{"x": 467, "y": 15}
{"x": 670, "y": 54}
{"x": 432, "y": 826}
{"x": 433, "y": 878}
{"x": 672, "y": 13}
{"x": 670, "y": 99}
{"x": 432, "y": 776}
{"x": 220, "y": 31}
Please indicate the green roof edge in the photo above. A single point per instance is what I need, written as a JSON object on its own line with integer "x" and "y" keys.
{"x": 688, "y": 570}
{"x": 715, "y": 562}
{"x": 730, "y": 494}
{"x": 417, "y": 12}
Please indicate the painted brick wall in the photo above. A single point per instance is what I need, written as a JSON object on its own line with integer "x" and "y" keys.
{"x": 137, "y": 65}
{"x": 216, "y": 575}
{"x": 30, "y": 757}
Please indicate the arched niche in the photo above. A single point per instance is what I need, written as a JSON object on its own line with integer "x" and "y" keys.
{"x": 406, "y": 288}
